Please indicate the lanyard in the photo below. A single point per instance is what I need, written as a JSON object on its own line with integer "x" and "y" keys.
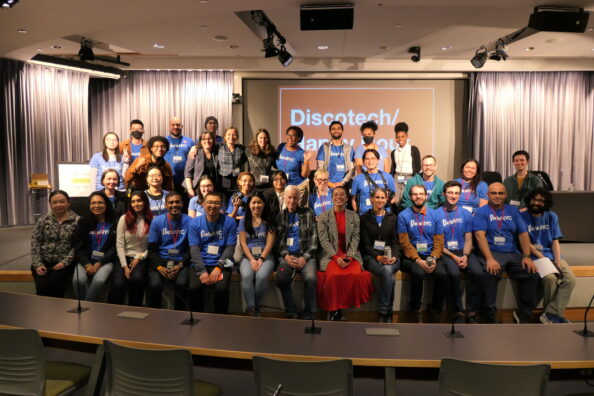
{"x": 99, "y": 235}
{"x": 452, "y": 224}
{"x": 175, "y": 144}
{"x": 323, "y": 201}
{"x": 420, "y": 224}
{"x": 288, "y": 153}
{"x": 499, "y": 222}
{"x": 174, "y": 232}
{"x": 467, "y": 193}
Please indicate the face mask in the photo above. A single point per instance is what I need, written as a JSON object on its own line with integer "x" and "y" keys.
{"x": 136, "y": 134}
{"x": 368, "y": 139}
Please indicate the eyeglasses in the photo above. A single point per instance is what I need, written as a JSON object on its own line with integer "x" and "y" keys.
{"x": 453, "y": 192}
{"x": 323, "y": 180}
{"x": 159, "y": 146}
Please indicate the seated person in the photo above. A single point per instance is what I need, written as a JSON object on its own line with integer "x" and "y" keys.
{"x": 297, "y": 241}
{"x": 474, "y": 191}
{"x": 342, "y": 282}
{"x": 155, "y": 193}
{"x": 519, "y": 185}
{"x": 212, "y": 242}
{"x": 320, "y": 199}
{"x": 497, "y": 226}
{"x": 94, "y": 244}
{"x": 237, "y": 205}
{"x": 275, "y": 200}
{"x": 119, "y": 200}
{"x": 205, "y": 186}
{"x": 371, "y": 178}
{"x": 137, "y": 172}
{"x": 428, "y": 178}
{"x": 169, "y": 253}
{"x": 379, "y": 245}
{"x": 544, "y": 231}
{"x": 420, "y": 234}
{"x": 51, "y": 246}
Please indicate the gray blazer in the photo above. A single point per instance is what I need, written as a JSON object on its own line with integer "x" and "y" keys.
{"x": 194, "y": 168}
{"x": 328, "y": 237}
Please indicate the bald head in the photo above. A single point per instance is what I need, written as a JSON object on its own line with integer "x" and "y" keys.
{"x": 496, "y": 195}
{"x": 175, "y": 126}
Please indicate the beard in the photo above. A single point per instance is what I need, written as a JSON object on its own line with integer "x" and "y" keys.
{"x": 536, "y": 209}
{"x": 418, "y": 206}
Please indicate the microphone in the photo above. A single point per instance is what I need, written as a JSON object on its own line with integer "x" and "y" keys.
{"x": 313, "y": 329}
{"x": 79, "y": 309}
{"x": 585, "y": 332}
{"x": 277, "y": 390}
{"x": 453, "y": 333}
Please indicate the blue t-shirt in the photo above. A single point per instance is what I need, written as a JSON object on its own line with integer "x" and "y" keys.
{"x": 171, "y": 235}
{"x": 290, "y": 162}
{"x": 363, "y": 190}
{"x": 221, "y": 233}
{"x": 455, "y": 225}
{"x": 543, "y": 230}
{"x": 177, "y": 156}
{"x": 420, "y": 228}
{"x": 98, "y": 237}
{"x": 320, "y": 204}
{"x": 134, "y": 151}
{"x": 503, "y": 223}
{"x": 157, "y": 205}
{"x": 379, "y": 219}
{"x": 470, "y": 200}
{"x": 293, "y": 233}
{"x": 100, "y": 164}
{"x": 336, "y": 165}
{"x": 429, "y": 186}
{"x": 381, "y": 150}
{"x": 195, "y": 206}
{"x": 259, "y": 239}
{"x": 241, "y": 209}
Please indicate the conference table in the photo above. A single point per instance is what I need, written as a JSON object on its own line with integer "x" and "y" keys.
{"x": 242, "y": 337}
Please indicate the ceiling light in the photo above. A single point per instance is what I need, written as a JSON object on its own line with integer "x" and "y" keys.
{"x": 55, "y": 46}
{"x": 234, "y": 46}
{"x": 322, "y": 47}
{"x": 383, "y": 47}
{"x": 39, "y": 50}
{"x": 529, "y": 49}
{"x": 500, "y": 52}
{"x": 479, "y": 58}
{"x": 159, "y": 46}
{"x": 284, "y": 57}
{"x": 71, "y": 64}
{"x": 398, "y": 25}
{"x": 446, "y": 48}
{"x": 203, "y": 1}
{"x": 220, "y": 38}
{"x": 9, "y": 3}
{"x": 22, "y": 31}
{"x": 203, "y": 26}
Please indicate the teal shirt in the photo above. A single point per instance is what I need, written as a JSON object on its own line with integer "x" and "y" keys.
{"x": 433, "y": 201}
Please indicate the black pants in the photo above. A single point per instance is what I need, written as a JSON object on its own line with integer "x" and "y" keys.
{"x": 54, "y": 282}
{"x": 418, "y": 274}
{"x": 209, "y": 298}
{"x": 119, "y": 285}
{"x": 155, "y": 288}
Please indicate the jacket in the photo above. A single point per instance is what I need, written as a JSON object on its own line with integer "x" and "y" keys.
{"x": 308, "y": 232}
{"x": 195, "y": 167}
{"x": 82, "y": 245}
{"x": 436, "y": 198}
{"x": 371, "y": 231}
{"x": 416, "y": 161}
{"x": 532, "y": 182}
{"x": 51, "y": 242}
{"x": 328, "y": 235}
{"x": 136, "y": 174}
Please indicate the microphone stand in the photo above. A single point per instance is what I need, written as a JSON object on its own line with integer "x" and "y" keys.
{"x": 79, "y": 309}
{"x": 453, "y": 333}
{"x": 585, "y": 332}
{"x": 189, "y": 321}
{"x": 313, "y": 329}
{"x": 278, "y": 389}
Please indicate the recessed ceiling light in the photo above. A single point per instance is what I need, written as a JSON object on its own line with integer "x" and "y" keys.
{"x": 39, "y": 50}
{"x": 203, "y": 26}
{"x": 398, "y": 25}
{"x": 159, "y": 46}
{"x": 383, "y": 47}
{"x": 322, "y": 47}
{"x": 220, "y": 38}
{"x": 529, "y": 49}
{"x": 446, "y": 48}
{"x": 234, "y": 46}
{"x": 203, "y": 1}
{"x": 23, "y": 31}
{"x": 55, "y": 46}
{"x": 589, "y": 29}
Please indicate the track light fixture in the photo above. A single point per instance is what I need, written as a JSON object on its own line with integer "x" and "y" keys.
{"x": 274, "y": 43}
{"x": 416, "y": 51}
{"x": 86, "y": 50}
{"x": 480, "y": 57}
{"x": 500, "y": 52}
{"x": 8, "y": 3}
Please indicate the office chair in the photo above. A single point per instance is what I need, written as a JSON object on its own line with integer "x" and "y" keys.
{"x": 546, "y": 180}
{"x": 491, "y": 177}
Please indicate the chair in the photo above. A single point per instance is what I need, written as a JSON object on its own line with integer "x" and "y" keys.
{"x": 491, "y": 177}
{"x": 24, "y": 371}
{"x": 152, "y": 372}
{"x": 460, "y": 377}
{"x": 329, "y": 378}
{"x": 546, "y": 180}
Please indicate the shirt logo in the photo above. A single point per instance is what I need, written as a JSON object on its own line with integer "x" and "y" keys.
{"x": 452, "y": 221}
{"x": 425, "y": 223}
{"x": 498, "y": 218}
{"x": 165, "y": 231}
{"x": 538, "y": 228}
{"x": 207, "y": 234}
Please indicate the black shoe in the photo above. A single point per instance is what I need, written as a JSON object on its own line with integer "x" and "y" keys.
{"x": 253, "y": 312}
{"x": 459, "y": 318}
{"x": 433, "y": 315}
{"x": 290, "y": 315}
{"x": 307, "y": 316}
{"x": 491, "y": 318}
{"x": 521, "y": 318}
{"x": 415, "y": 316}
{"x": 336, "y": 316}
{"x": 382, "y": 318}
{"x": 472, "y": 319}
{"x": 389, "y": 317}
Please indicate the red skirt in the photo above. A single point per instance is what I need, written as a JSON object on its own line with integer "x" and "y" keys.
{"x": 340, "y": 288}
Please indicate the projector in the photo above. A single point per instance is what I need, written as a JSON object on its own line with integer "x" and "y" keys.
{"x": 559, "y": 19}
{"x": 326, "y": 16}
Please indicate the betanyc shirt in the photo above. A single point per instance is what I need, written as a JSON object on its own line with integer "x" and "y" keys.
{"x": 259, "y": 239}
{"x": 290, "y": 162}
{"x": 470, "y": 200}
{"x": 543, "y": 230}
{"x": 502, "y": 226}
{"x": 455, "y": 223}
{"x": 177, "y": 155}
{"x": 337, "y": 163}
{"x": 212, "y": 237}
{"x": 362, "y": 189}
{"x": 101, "y": 165}
{"x": 171, "y": 235}
{"x": 421, "y": 228}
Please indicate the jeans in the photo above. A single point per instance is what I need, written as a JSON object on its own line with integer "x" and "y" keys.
{"x": 134, "y": 286}
{"x": 474, "y": 271}
{"x": 418, "y": 274}
{"x": 385, "y": 273}
{"x": 97, "y": 282}
{"x": 284, "y": 279}
{"x": 254, "y": 284}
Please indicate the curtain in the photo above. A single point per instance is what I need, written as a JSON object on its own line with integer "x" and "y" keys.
{"x": 44, "y": 121}
{"x": 548, "y": 114}
{"x": 156, "y": 96}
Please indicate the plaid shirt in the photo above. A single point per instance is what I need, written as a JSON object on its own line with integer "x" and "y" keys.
{"x": 229, "y": 161}
{"x": 308, "y": 232}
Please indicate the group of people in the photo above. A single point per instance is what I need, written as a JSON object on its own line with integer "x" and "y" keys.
{"x": 173, "y": 211}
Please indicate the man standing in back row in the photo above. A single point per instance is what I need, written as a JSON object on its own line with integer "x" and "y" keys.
{"x": 177, "y": 155}
{"x": 519, "y": 185}
{"x": 337, "y": 157}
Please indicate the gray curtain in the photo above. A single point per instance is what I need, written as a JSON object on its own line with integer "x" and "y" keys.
{"x": 548, "y": 114}
{"x": 43, "y": 121}
{"x": 156, "y": 96}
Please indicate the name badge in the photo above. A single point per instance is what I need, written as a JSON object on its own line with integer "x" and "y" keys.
{"x": 170, "y": 264}
{"x": 452, "y": 245}
{"x": 178, "y": 158}
{"x": 401, "y": 179}
{"x": 514, "y": 203}
{"x": 538, "y": 247}
{"x": 468, "y": 208}
{"x": 368, "y": 202}
{"x": 340, "y": 167}
{"x": 499, "y": 240}
{"x": 264, "y": 178}
{"x": 97, "y": 255}
{"x": 379, "y": 245}
{"x": 290, "y": 241}
{"x": 212, "y": 249}
{"x": 422, "y": 247}
{"x": 173, "y": 252}
{"x": 256, "y": 250}
{"x": 236, "y": 171}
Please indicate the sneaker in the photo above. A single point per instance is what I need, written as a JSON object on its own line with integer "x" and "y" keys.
{"x": 415, "y": 316}
{"x": 472, "y": 319}
{"x": 563, "y": 319}
{"x": 548, "y": 318}
{"x": 336, "y": 316}
{"x": 253, "y": 312}
{"x": 382, "y": 318}
{"x": 459, "y": 318}
{"x": 520, "y": 318}
{"x": 307, "y": 316}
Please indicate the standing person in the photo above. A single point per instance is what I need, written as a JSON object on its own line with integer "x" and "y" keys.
{"x": 155, "y": 193}
{"x": 519, "y": 185}
{"x": 275, "y": 199}
{"x": 474, "y": 191}
{"x": 256, "y": 237}
{"x": 428, "y": 178}
{"x": 497, "y": 228}
{"x": 169, "y": 253}
{"x": 51, "y": 246}
{"x": 297, "y": 240}
{"x": 94, "y": 244}
{"x": 342, "y": 282}
{"x": 135, "y": 146}
{"x": 204, "y": 163}
{"x": 368, "y": 131}
{"x": 205, "y": 186}
{"x": 237, "y": 205}
{"x": 212, "y": 243}
{"x": 177, "y": 155}
{"x": 545, "y": 233}
{"x": 132, "y": 249}
{"x": 368, "y": 181}
{"x": 231, "y": 158}
{"x": 457, "y": 254}
{"x": 136, "y": 175}
{"x": 420, "y": 234}
{"x": 379, "y": 245}
{"x": 294, "y": 161}
{"x": 405, "y": 159}
{"x": 211, "y": 124}
{"x": 320, "y": 199}
{"x": 337, "y": 157}
{"x": 109, "y": 158}
{"x": 260, "y": 159}
{"x": 110, "y": 179}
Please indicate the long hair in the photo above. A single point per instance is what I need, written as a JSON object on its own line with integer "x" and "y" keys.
{"x": 199, "y": 141}
{"x": 200, "y": 196}
{"x": 89, "y": 218}
{"x": 116, "y": 151}
{"x": 249, "y": 227}
{"x": 131, "y": 216}
{"x": 254, "y": 147}
{"x": 477, "y": 178}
